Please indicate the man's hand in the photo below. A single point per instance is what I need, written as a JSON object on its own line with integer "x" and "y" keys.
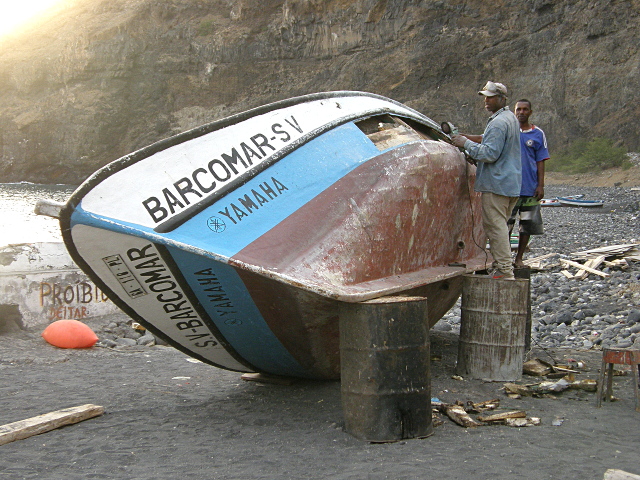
{"x": 458, "y": 140}
{"x": 539, "y": 193}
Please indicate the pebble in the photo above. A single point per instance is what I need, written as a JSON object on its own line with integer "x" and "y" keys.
{"x": 595, "y": 312}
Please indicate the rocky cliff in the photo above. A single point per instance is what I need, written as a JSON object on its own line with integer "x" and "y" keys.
{"x": 101, "y": 78}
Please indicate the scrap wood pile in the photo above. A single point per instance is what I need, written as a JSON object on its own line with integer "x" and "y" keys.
{"x": 613, "y": 256}
{"x": 460, "y": 413}
{"x": 558, "y": 378}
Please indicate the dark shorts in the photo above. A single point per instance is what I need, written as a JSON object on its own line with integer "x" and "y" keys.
{"x": 530, "y": 221}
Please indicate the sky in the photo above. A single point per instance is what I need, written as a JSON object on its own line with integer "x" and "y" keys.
{"x": 13, "y": 13}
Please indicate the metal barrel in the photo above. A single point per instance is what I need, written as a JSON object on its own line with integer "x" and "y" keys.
{"x": 385, "y": 369}
{"x": 525, "y": 273}
{"x": 492, "y": 328}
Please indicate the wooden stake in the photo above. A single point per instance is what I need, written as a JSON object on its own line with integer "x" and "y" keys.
{"x": 49, "y": 421}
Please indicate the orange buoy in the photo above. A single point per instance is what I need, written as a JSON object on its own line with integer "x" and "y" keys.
{"x": 69, "y": 334}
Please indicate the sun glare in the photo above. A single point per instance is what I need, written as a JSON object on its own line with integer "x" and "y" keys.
{"x": 13, "y": 13}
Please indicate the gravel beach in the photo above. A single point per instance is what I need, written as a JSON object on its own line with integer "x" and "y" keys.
{"x": 595, "y": 311}
{"x": 168, "y": 416}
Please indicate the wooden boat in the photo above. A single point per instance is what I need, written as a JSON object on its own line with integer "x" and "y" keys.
{"x": 238, "y": 241}
{"x": 578, "y": 202}
{"x": 554, "y": 202}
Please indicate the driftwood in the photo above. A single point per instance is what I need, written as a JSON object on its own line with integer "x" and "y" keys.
{"x": 458, "y": 414}
{"x": 482, "y": 406}
{"x": 613, "y": 474}
{"x": 523, "y": 422}
{"x": 49, "y": 421}
{"x": 536, "y": 367}
{"x": 498, "y": 417}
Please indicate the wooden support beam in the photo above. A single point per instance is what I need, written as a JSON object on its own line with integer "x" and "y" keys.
{"x": 49, "y": 421}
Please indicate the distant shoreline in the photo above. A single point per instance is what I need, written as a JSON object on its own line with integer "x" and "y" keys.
{"x": 606, "y": 178}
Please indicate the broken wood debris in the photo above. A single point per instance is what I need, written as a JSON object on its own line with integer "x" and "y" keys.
{"x": 523, "y": 422}
{"x": 482, "y": 406}
{"x": 536, "y": 367}
{"x": 459, "y": 413}
{"x": 537, "y": 263}
{"x": 609, "y": 256}
{"x": 617, "y": 256}
{"x": 624, "y": 251}
{"x": 613, "y": 474}
{"x": 48, "y": 421}
{"x": 584, "y": 268}
{"x": 498, "y": 417}
{"x": 544, "y": 388}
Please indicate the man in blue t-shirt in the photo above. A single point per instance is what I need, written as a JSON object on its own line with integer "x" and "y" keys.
{"x": 533, "y": 149}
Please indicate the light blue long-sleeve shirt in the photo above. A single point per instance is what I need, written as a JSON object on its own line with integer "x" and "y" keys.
{"x": 498, "y": 156}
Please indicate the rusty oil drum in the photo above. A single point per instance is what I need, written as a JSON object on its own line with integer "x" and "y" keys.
{"x": 493, "y": 328}
{"x": 385, "y": 369}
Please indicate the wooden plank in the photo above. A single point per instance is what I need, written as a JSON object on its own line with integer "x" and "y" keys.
{"x": 459, "y": 415}
{"x": 611, "y": 250}
{"x": 567, "y": 273}
{"x": 584, "y": 267}
{"x": 592, "y": 263}
{"x": 502, "y": 416}
{"x": 264, "y": 378}
{"x": 49, "y": 421}
{"x": 582, "y": 274}
{"x": 613, "y": 474}
{"x": 537, "y": 259}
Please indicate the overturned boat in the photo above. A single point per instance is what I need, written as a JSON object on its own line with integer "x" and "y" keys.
{"x": 237, "y": 241}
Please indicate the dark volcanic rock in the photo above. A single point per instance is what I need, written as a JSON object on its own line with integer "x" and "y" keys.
{"x": 103, "y": 78}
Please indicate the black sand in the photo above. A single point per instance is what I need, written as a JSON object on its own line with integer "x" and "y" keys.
{"x": 213, "y": 425}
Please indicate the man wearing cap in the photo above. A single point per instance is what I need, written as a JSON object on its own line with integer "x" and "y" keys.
{"x": 498, "y": 177}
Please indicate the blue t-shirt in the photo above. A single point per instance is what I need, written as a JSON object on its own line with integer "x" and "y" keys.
{"x": 533, "y": 149}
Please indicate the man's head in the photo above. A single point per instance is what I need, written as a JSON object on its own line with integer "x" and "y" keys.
{"x": 495, "y": 96}
{"x": 523, "y": 112}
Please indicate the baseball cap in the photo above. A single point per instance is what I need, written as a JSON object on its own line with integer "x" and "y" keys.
{"x": 492, "y": 89}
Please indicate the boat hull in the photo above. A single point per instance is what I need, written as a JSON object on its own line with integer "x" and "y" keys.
{"x": 572, "y": 202}
{"x": 250, "y": 276}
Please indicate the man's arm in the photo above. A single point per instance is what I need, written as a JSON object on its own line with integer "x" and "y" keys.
{"x": 490, "y": 146}
{"x": 473, "y": 138}
{"x": 539, "y": 193}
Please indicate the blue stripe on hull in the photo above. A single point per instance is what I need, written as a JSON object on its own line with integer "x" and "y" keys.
{"x": 223, "y": 295}
{"x": 293, "y": 181}
{"x": 275, "y": 193}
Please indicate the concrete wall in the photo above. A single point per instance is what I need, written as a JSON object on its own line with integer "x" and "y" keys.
{"x": 39, "y": 283}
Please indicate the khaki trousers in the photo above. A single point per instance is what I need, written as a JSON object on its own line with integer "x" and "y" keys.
{"x": 496, "y": 210}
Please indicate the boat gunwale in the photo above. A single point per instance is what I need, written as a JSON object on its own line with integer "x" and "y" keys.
{"x": 164, "y": 144}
